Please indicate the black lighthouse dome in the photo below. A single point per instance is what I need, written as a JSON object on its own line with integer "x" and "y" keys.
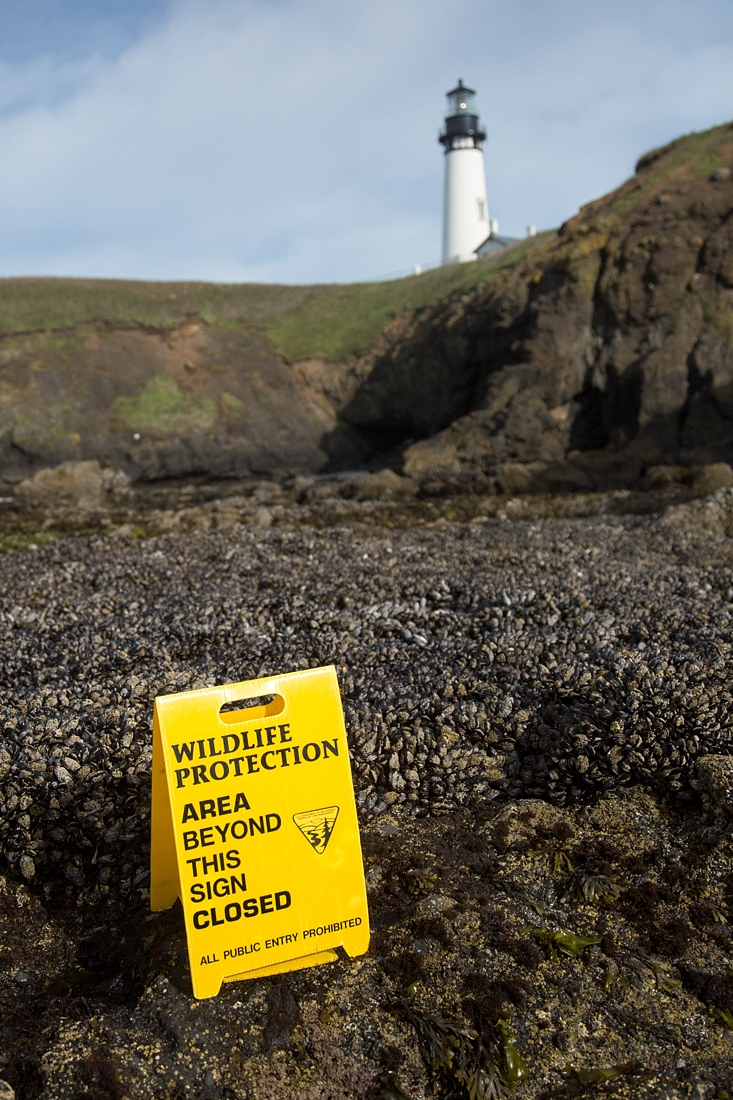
{"x": 462, "y": 125}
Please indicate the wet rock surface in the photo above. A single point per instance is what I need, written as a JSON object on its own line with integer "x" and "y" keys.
{"x": 87, "y": 497}
{"x": 539, "y": 717}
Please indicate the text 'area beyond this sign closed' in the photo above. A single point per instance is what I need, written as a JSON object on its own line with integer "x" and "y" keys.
{"x": 254, "y": 827}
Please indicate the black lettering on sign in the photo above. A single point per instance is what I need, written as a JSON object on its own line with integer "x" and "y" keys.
{"x": 278, "y": 941}
{"x": 229, "y": 743}
{"x": 336, "y": 926}
{"x": 218, "y": 888}
{"x": 234, "y": 910}
{"x": 220, "y": 807}
{"x": 248, "y": 949}
{"x": 235, "y": 830}
{"x": 215, "y": 863}
{"x": 252, "y": 763}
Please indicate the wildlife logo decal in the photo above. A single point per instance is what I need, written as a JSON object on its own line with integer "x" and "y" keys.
{"x": 317, "y": 826}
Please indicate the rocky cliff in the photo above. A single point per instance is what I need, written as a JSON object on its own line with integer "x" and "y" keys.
{"x": 598, "y": 357}
{"x": 170, "y": 379}
{"x": 156, "y": 404}
{"x": 604, "y": 355}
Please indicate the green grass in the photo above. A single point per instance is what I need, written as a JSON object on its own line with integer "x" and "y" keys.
{"x": 162, "y": 407}
{"x": 694, "y": 156}
{"x": 333, "y": 321}
{"x": 46, "y": 304}
{"x": 343, "y": 322}
{"x": 698, "y": 150}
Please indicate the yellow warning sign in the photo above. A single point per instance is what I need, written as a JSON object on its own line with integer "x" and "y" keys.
{"x": 254, "y": 826}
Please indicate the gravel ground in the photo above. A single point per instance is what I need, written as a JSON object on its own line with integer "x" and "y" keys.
{"x": 540, "y": 665}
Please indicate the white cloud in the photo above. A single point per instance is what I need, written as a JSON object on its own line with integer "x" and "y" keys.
{"x": 295, "y": 140}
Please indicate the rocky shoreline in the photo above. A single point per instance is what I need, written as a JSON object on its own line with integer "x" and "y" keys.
{"x": 499, "y": 679}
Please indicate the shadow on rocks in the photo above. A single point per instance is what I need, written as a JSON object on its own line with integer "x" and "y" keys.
{"x": 283, "y": 1016}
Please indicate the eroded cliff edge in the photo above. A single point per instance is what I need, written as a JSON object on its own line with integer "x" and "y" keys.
{"x": 592, "y": 358}
{"x": 603, "y": 353}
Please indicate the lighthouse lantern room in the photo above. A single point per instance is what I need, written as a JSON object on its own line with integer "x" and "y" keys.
{"x": 466, "y": 213}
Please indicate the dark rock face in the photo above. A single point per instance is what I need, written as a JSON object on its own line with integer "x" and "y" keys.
{"x": 155, "y": 404}
{"x": 607, "y": 351}
{"x": 603, "y": 352}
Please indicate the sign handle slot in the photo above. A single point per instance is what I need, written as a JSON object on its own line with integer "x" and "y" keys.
{"x": 245, "y": 710}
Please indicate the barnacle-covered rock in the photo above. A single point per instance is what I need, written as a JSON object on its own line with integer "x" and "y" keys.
{"x": 714, "y": 781}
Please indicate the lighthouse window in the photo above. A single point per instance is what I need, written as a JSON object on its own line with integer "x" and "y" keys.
{"x": 481, "y": 210}
{"x": 461, "y": 103}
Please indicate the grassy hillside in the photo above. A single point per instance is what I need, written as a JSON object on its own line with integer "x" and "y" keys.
{"x": 340, "y": 322}
{"x": 336, "y": 321}
{"x": 692, "y": 157}
{"x": 333, "y": 321}
{"x": 699, "y": 152}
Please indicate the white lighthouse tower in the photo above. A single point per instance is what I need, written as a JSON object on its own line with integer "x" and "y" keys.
{"x": 466, "y": 212}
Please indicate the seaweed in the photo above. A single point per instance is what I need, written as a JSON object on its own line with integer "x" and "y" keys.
{"x": 611, "y": 976}
{"x": 561, "y": 863}
{"x": 674, "y": 874}
{"x": 457, "y": 1058}
{"x": 524, "y": 952}
{"x": 500, "y": 837}
{"x": 441, "y": 1041}
{"x": 702, "y": 915}
{"x": 405, "y": 968}
{"x": 711, "y": 989}
{"x": 501, "y": 937}
{"x": 390, "y": 1088}
{"x": 485, "y": 1083}
{"x": 634, "y": 1024}
{"x": 646, "y": 969}
{"x": 595, "y": 889}
{"x": 596, "y": 856}
{"x": 562, "y": 830}
{"x": 420, "y": 883}
{"x": 513, "y": 890}
{"x": 435, "y": 927}
{"x": 670, "y": 938}
{"x": 639, "y": 903}
{"x": 601, "y": 1074}
{"x": 567, "y": 943}
{"x": 725, "y": 1017}
{"x": 515, "y": 1068}
{"x": 391, "y": 1057}
{"x": 492, "y": 994}
{"x": 69, "y": 981}
{"x": 100, "y": 1075}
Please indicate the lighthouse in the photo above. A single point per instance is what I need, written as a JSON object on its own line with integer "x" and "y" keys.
{"x": 465, "y": 212}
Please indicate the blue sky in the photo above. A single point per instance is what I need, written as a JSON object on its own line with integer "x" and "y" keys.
{"x": 295, "y": 140}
